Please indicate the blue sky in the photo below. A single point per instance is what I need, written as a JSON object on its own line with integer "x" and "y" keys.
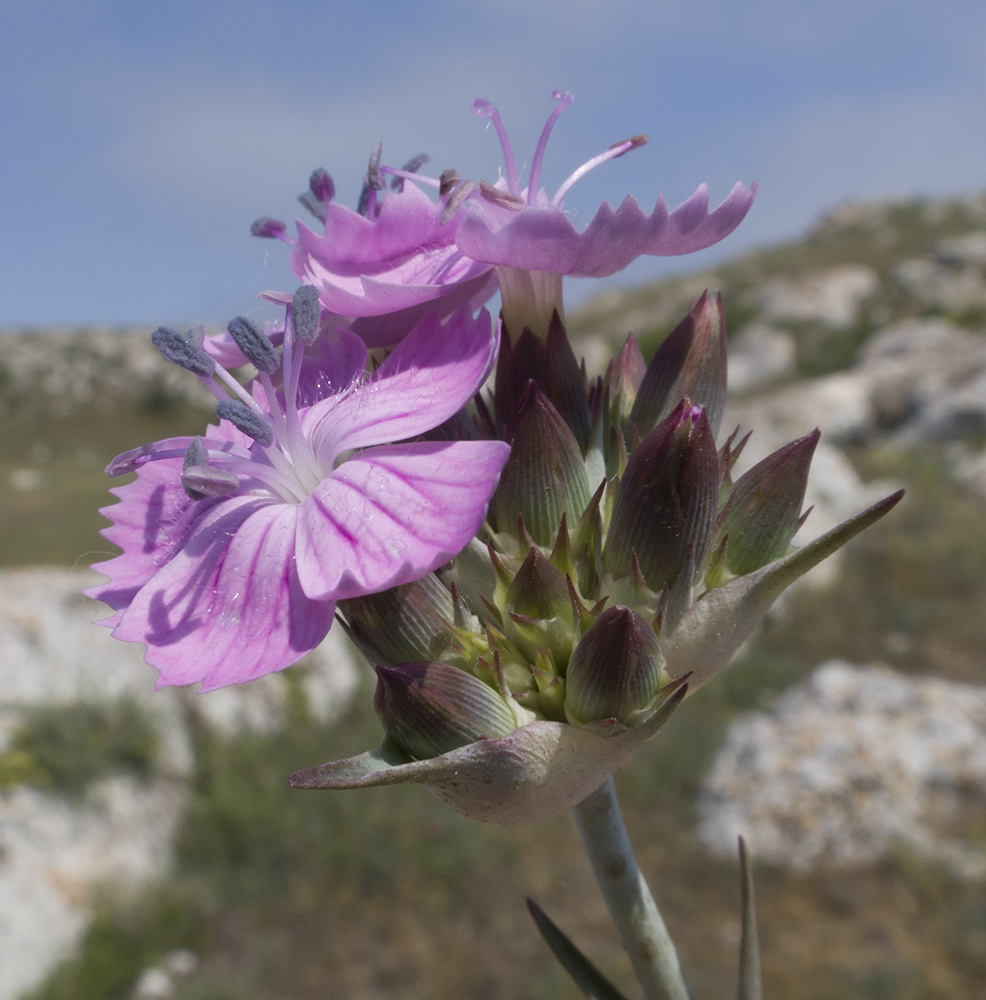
{"x": 139, "y": 141}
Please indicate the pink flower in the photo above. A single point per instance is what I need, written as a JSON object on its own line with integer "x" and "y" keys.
{"x": 403, "y": 254}
{"x": 508, "y": 226}
{"x": 237, "y": 545}
{"x": 386, "y": 265}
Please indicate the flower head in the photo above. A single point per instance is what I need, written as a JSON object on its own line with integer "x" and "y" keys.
{"x": 381, "y": 268}
{"x": 236, "y": 545}
{"x": 600, "y": 592}
{"x": 526, "y": 235}
{"x": 401, "y": 254}
{"x": 526, "y": 228}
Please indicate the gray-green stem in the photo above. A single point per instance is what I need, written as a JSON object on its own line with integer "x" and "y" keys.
{"x": 630, "y": 903}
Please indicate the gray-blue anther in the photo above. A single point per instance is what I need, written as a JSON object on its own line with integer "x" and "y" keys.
{"x": 182, "y": 351}
{"x": 373, "y": 176}
{"x": 447, "y": 182}
{"x": 457, "y": 199}
{"x": 267, "y": 228}
{"x": 201, "y": 481}
{"x": 255, "y": 344}
{"x": 244, "y": 419}
{"x": 411, "y": 167}
{"x": 306, "y": 314}
{"x": 321, "y": 185}
{"x": 195, "y": 454}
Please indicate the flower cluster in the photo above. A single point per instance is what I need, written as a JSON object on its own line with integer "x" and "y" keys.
{"x": 538, "y": 577}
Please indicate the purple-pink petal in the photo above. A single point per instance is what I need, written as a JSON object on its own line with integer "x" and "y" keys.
{"x": 407, "y": 219}
{"x": 149, "y": 523}
{"x": 390, "y": 328}
{"x": 429, "y": 377}
{"x": 540, "y": 237}
{"x": 391, "y": 514}
{"x": 333, "y": 369}
{"x": 228, "y": 608}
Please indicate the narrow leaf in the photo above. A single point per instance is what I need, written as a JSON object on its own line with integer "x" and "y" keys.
{"x": 717, "y": 625}
{"x": 587, "y": 977}
{"x": 750, "y": 987}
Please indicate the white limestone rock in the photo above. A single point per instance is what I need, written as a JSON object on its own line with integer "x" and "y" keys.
{"x": 833, "y": 297}
{"x": 56, "y": 852}
{"x": 847, "y": 766}
{"x": 759, "y": 355}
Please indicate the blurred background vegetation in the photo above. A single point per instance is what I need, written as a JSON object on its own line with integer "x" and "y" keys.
{"x": 388, "y": 893}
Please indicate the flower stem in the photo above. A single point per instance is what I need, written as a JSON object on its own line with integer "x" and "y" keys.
{"x": 630, "y": 903}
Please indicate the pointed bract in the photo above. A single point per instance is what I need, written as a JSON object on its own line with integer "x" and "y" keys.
{"x": 714, "y": 628}
{"x": 691, "y": 363}
{"x": 538, "y": 771}
{"x": 545, "y": 476}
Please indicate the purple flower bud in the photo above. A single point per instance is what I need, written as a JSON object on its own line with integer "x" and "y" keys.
{"x": 409, "y": 622}
{"x": 538, "y": 590}
{"x": 764, "y": 509}
{"x": 545, "y": 476}
{"x": 549, "y": 362}
{"x": 666, "y": 500}
{"x": 615, "y": 671}
{"x": 623, "y": 379}
{"x": 691, "y": 363}
{"x": 429, "y": 709}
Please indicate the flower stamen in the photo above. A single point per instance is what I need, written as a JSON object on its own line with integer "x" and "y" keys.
{"x": 615, "y": 151}
{"x": 563, "y": 99}
{"x": 485, "y": 109}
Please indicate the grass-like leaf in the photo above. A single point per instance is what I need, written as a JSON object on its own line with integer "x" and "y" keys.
{"x": 750, "y": 987}
{"x": 587, "y": 977}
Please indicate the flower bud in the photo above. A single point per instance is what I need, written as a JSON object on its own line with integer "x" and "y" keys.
{"x": 615, "y": 671}
{"x": 539, "y": 609}
{"x": 622, "y": 381}
{"x": 429, "y": 709}
{"x": 545, "y": 476}
{"x": 549, "y": 361}
{"x": 666, "y": 500}
{"x": 764, "y": 509}
{"x": 409, "y": 622}
{"x": 690, "y": 363}
{"x": 538, "y": 590}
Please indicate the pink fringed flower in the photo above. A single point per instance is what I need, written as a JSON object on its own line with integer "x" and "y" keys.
{"x": 387, "y": 264}
{"x": 508, "y": 226}
{"x": 402, "y": 254}
{"x": 237, "y": 545}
